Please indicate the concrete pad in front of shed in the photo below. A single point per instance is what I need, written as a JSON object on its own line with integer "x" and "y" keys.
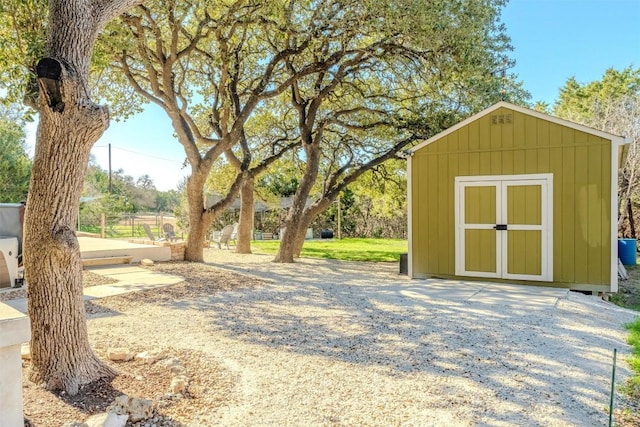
{"x": 518, "y": 295}
{"x": 485, "y": 294}
{"x": 436, "y": 291}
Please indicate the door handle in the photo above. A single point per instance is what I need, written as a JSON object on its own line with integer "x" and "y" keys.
{"x": 500, "y": 227}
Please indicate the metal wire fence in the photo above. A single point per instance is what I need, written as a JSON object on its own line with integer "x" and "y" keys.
{"x": 126, "y": 225}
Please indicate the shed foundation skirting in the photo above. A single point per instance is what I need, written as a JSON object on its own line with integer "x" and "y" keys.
{"x": 572, "y": 286}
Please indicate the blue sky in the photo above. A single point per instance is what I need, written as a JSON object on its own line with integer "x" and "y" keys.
{"x": 553, "y": 40}
{"x": 557, "y": 39}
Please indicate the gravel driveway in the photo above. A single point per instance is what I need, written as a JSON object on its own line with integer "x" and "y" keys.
{"x": 335, "y": 343}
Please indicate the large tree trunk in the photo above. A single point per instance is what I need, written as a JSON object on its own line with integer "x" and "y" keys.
{"x": 308, "y": 216}
{"x": 245, "y": 225}
{"x": 301, "y": 235}
{"x": 199, "y": 219}
{"x": 293, "y": 223}
{"x": 69, "y": 125}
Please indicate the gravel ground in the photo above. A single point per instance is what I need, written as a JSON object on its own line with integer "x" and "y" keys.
{"x": 333, "y": 343}
{"x": 328, "y": 343}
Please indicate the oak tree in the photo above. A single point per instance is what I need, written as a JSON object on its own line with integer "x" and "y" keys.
{"x": 202, "y": 63}
{"x": 386, "y": 75}
{"x": 70, "y": 123}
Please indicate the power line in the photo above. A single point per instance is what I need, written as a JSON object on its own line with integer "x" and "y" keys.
{"x": 140, "y": 154}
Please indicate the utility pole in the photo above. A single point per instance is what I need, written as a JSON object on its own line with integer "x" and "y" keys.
{"x": 109, "y": 168}
{"x": 339, "y": 218}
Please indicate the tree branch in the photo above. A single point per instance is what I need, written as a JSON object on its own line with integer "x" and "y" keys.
{"x": 105, "y": 10}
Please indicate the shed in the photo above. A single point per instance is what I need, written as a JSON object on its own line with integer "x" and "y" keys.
{"x": 514, "y": 195}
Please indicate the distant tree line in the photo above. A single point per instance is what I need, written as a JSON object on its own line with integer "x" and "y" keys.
{"x": 127, "y": 195}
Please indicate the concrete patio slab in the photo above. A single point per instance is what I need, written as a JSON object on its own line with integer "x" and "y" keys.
{"x": 130, "y": 279}
{"x": 91, "y": 247}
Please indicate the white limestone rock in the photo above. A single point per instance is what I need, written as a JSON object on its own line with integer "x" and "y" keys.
{"x": 119, "y": 354}
{"x": 138, "y": 409}
{"x": 151, "y": 357}
{"x": 179, "y": 384}
{"x": 171, "y": 362}
{"x": 107, "y": 419}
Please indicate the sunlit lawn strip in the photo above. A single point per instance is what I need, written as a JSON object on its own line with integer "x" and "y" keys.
{"x": 634, "y": 360}
{"x": 380, "y": 250}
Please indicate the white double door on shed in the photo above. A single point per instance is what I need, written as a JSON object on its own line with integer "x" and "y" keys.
{"x": 504, "y": 226}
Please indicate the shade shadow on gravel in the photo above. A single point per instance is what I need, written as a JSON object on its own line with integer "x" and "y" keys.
{"x": 523, "y": 356}
{"x": 543, "y": 359}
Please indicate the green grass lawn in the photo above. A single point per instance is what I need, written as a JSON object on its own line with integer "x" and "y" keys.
{"x": 385, "y": 250}
{"x": 629, "y": 296}
{"x": 634, "y": 341}
{"x": 632, "y": 389}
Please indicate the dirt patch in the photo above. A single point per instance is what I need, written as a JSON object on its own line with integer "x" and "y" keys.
{"x": 209, "y": 381}
{"x": 209, "y": 385}
{"x": 629, "y": 290}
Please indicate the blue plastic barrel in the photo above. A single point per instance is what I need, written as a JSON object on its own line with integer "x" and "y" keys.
{"x": 627, "y": 250}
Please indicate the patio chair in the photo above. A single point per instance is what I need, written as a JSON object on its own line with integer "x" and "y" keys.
{"x": 169, "y": 234}
{"x": 225, "y": 236}
{"x": 234, "y": 234}
{"x": 149, "y": 233}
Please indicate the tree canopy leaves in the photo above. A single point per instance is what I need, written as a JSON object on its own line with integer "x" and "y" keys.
{"x": 15, "y": 165}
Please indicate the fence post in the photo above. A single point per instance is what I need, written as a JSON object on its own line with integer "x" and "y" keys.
{"x": 103, "y": 225}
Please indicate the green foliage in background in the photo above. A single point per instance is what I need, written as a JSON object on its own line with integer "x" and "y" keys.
{"x": 593, "y": 103}
{"x": 128, "y": 196}
{"x": 22, "y": 35}
{"x": 15, "y": 165}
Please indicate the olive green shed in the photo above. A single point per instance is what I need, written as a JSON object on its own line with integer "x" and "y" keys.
{"x": 514, "y": 195}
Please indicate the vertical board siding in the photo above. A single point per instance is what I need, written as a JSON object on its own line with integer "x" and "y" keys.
{"x": 445, "y": 217}
{"x": 524, "y": 204}
{"x": 480, "y": 250}
{"x": 581, "y": 168}
{"x": 524, "y": 252}
{"x": 480, "y": 205}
